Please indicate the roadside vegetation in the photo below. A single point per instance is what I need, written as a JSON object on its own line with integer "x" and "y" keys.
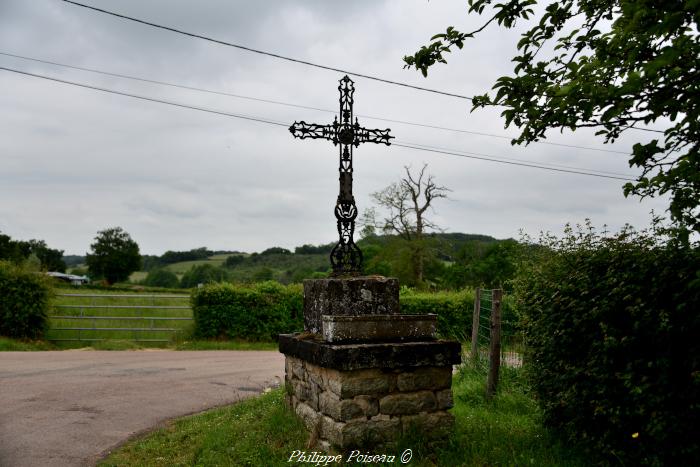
{"x": 506, "y": 430}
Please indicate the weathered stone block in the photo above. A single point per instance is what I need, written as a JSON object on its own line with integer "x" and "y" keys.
{"x": 407, "y": 403}
{"x": 433, "y": 425}
{"x": 363, "y": 433}
{"x": 301, "y": 390}
{"x": 314, "y": 374}
{"x": 369, "y": 405}
{"x": 348, "y": 296}
{"x": 378, "y": 328}
{"x": 298, "y": 369}
{"x": 444, "y": 399}
{"x": 425, "y": 378}
{"x": 329, "y": 404}
{"x": 355, "y": 383}
{"x": 372, "y": 355}
{"x": 331, "y": 430}
{"x": 307, "y": 414}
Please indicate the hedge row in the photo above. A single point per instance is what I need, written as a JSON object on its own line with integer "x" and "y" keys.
{"x": 454, "y": 310}
{"x": 612, "y": 328}
{"x": 262, "y": 311}
{"x": 24, "y": 302}
{"x": 255, "y": 312}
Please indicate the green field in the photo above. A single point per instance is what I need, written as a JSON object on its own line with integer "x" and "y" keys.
{"x": 95, "y": 316}
{"x": 184, "y": 266}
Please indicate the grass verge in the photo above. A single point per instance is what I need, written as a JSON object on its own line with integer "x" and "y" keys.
{"x": 506, "y": 430}
{"x": 20, "y": 345}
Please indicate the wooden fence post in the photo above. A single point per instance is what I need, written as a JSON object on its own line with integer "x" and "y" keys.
{"x": 475, "y": 325}
{"x": 495, "y": 342}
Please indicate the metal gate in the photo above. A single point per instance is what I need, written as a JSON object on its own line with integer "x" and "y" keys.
{"x": 155, "y": 318}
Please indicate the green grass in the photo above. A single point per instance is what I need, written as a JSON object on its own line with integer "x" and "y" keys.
{"x": 257, "y": 431}
{"x": 505, "y": 430}
{"x": 20, "y": 345}
{"x": 184, "y": 266}
{"x": 137, "y": 276}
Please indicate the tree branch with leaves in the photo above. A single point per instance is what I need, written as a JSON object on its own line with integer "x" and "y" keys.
{"x": 615, "y": 64}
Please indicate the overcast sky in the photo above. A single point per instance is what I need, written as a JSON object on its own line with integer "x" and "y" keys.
{"x": 75, "y": 161}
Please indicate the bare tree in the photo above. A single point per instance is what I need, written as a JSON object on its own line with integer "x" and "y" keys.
{"x": 407, "y": 202}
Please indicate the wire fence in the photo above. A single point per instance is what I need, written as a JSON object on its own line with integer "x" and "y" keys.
{"x": 495, "y": 340}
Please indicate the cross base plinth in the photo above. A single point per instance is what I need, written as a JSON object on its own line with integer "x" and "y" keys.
{"x": 368, "y": 395}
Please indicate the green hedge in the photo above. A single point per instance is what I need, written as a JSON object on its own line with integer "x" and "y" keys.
{"x": 255, "y": 312}
{"x": 260, "y": 312}
{"x": 612, "y": 327}
{"x": 24, "y": 302}
{"x": 454, "y": 310}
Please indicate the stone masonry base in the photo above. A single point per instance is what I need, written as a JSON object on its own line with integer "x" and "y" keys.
{"x": 370, "y": 407}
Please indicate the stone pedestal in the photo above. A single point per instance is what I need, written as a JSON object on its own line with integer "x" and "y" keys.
{"x": 372, "y": 383}
{"x": 352, "y": 296}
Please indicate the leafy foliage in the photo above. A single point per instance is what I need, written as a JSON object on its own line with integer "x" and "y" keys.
{"x": 203, "y": 274}
{"x": 613, "y": 64}
{"x": 257, "y": 312}
{"x": 24, "y": 302}
{"x": 612, "y": 325}
{"x": 161, "y": 278}
{"x": 18, "y": 251}
{"x": 192, "y": 255}
{"x": 490, "y": 265}
{"x": 275, "y": 250}
{"x": 454, "y": 310}
{"x": 114, "y": 255}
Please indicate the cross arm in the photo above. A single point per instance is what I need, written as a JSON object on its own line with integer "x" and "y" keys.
{"x": 303, "y": 130}
{"x": 363, "y": 135}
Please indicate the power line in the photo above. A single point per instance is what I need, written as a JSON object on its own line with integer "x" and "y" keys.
{"x": 151, "y": 99}
{"x": 483, "y": 157}
{"x": 471, "y": 155}
{"x": 428, "y": 146}
{"x": 270, "y": 54}
{"x": 283, "y": 57}
{"x": 299, "y": 106}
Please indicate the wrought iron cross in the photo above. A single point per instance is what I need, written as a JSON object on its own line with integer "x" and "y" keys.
{"x": 346, "y": 257}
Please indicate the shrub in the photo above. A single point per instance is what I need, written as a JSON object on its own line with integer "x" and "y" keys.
{"x": 612, "y": 328}
{"x": 454, "y": 309}
{"x": 202, "y": 274}
{"x": 263, "y": 310}
{"x": 254, "y": 312}
{"x": 24, "y": 302}
{"x": 162, "y": 278}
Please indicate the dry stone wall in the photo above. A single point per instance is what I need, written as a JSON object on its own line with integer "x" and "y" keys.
{"x": 370, "y": 406}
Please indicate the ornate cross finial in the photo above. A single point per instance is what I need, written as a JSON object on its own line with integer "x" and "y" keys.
{"x": 346, "y": 257}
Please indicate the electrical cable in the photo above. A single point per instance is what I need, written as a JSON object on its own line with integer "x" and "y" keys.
{"x": 476, "y": 155}
{"x": 145, "y": 98}
{"x": 283, "y": 57}
{"x": 270, "y": 54}
{"x": 299, "y": 106}
{"x": 428, "y": 146}
{"x": 471, "y": 155}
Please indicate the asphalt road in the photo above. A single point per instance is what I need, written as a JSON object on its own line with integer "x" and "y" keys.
{"x": 67, "y": 408}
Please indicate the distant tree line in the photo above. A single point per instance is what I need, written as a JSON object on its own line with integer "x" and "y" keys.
{"x": 36, "y": 251}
